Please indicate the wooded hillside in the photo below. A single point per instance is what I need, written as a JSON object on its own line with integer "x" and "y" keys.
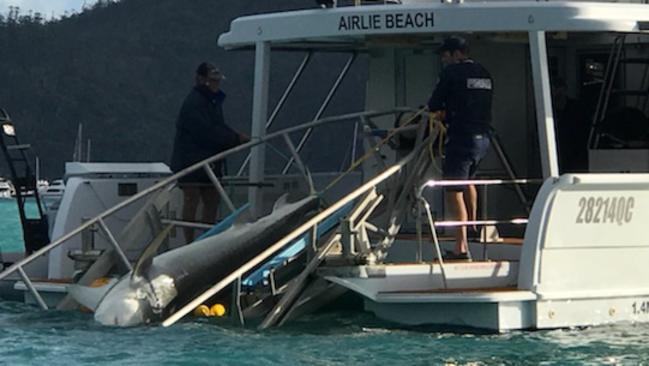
{"x": 123, "y": 69}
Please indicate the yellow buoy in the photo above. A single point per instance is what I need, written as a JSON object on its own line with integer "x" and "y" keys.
{"x": 217, "y": 310}
{"x": 102, "y": 281}
{"x": 202, "y": 310}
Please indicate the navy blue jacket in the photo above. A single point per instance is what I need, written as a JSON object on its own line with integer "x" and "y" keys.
{"x": 201, "y": 130}
{"x": 464, "y": 91}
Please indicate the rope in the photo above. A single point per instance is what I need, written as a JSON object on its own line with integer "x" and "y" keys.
{"x": 434, "y": 123}
{"x": 367, "y": 155}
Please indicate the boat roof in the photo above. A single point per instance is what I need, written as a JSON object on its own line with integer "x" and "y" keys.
{"x": 354, "y": 27}
{"x": 88, "y": 169}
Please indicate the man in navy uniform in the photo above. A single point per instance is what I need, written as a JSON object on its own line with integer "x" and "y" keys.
{"x": 464, "y": 92}
{"x": 201, "y": 132}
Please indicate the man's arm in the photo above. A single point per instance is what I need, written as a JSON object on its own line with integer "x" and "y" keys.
{"x": 200, "y": 128}
{"x": 225, "y": 137}
{"x": 437, "y": 101}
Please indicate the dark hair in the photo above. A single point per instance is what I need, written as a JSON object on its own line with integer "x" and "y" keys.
{"x": 206, "y": 68}
{"x": 453, "y": 43}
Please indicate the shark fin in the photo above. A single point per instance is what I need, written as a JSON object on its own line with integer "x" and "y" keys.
{"x": 281, "y": 201}
{"x": 90, "y": 297}
{"x": 146, "y": 258}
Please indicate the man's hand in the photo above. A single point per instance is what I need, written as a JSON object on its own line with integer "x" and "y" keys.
{"x": 438, "y": 115}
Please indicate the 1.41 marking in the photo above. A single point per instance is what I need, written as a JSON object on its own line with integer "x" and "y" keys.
{"x": 640, "y": 307}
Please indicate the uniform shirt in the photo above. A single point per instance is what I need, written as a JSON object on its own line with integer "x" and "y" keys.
{"x": 464, "y": 91}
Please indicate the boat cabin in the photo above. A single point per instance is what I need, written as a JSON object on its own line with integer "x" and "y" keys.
{"x": 570, "y": 99}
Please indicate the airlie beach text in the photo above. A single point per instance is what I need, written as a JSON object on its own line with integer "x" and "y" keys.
{"x": 386, "y": 21}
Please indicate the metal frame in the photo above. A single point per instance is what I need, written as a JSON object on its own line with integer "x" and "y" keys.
{"x": 607, "y": 86}
{"x": 544, "y": 113}
{"x": 323, "y": 107}
{"x": 34, "y": 229}
{"x": 115, "y": 244}
{"x": 432, "y": 224}
{"x": 302, "y": 229}
{"x": 281, "y": 102}
{"x": 32, "y": 289}
{"x": 167, "y": 182}
{"x": 259, "y": 115}
{"x": 219, "y": 187}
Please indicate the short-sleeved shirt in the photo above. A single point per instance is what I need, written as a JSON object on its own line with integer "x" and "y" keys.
{"x": 464, "y": 90}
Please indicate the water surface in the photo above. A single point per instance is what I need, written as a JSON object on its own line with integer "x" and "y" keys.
{"x": 30, "y": 336}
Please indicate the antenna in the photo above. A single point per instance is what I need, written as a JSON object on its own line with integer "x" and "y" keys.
{"x": 77, "y": 155}
{"x": 38, "y": 171}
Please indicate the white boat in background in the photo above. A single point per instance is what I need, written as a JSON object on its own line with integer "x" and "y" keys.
{"x": 41, "y": 185}
{"x": 6, "y": 189}
{"x": 52, "y": 193}
{"x": 573, "y": 250}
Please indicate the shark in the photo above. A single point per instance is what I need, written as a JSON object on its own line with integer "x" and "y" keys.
{"x": 161, "y": 283}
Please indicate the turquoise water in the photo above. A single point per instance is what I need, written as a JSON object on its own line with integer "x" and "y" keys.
{"x": 30, "y": 336}
{"x": 11, "y": 235}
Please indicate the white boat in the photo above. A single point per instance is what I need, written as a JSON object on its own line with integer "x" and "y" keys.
{"x": 51, "y": 193}
{"x": 581, "y": 259}
{"x": 6, "y": 189}
{"x": 576, "y": 258}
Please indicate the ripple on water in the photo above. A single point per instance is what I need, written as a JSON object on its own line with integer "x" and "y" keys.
{"x": 32, "y": 336}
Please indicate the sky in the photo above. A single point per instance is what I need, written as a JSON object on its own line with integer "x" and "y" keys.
{"x": 46, "y": 7}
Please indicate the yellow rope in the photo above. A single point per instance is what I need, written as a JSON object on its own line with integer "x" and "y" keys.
{"x": 358, "y": 162}
{"x": 434, "y": 123}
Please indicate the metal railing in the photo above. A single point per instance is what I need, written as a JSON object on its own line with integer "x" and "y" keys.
{"x": 205, "y": 164}
{"x": 306, "y": 227}
{"x": 424, "y": 206}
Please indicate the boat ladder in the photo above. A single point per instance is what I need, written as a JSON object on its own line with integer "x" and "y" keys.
{"x": 35, "y": 229}
{"x": 616, "y": 71}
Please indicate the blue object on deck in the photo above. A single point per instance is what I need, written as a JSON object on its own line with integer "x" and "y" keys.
{"x": 224, "y": 224}
{"x": 382, "y": 133}
{"x": 293, "y": 249}
{"x": 296, "y": 247}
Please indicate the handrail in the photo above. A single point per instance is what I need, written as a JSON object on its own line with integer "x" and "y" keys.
{"x": 199, "y": 165}
{"x": 432, "y": 183}
{"x": 476, "y": 182}
{"x": 456, "y": 223}
{"x": 459, "y": 223}
{"x": 302, "y": 229}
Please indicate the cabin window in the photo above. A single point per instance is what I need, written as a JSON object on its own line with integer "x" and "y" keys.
{"x": 126, "y": 189}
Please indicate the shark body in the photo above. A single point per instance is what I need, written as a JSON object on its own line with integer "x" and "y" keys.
{"x": 159, "y": 284}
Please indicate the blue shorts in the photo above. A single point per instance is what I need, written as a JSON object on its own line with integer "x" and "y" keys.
{"x": 199, "y": 177}
{"x": 463, "y": 154}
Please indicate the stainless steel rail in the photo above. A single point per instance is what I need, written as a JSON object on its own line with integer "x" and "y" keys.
{"x": 323, "y": 107}
{"x": 280, "y": 104}
{"x": 456, "y": 223}
{"x": 99, "y": 219}
{"x": 304, "y": 228}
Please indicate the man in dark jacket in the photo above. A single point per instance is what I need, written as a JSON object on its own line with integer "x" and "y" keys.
{"x": 201, "y": 132}
{"x": 464, "y": 92}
